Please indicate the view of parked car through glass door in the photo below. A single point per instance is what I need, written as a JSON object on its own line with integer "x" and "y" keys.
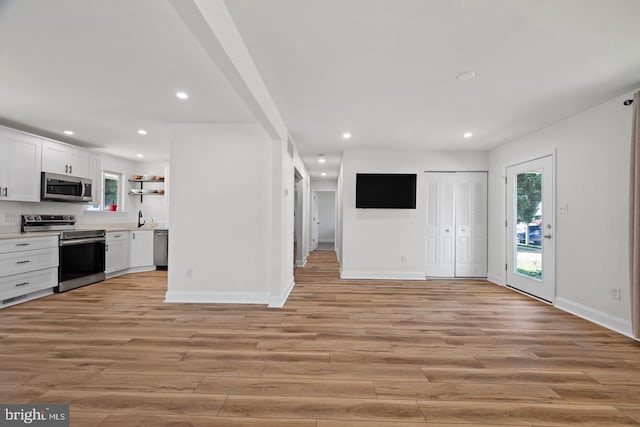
{"x": 530, "y": 228}
{"x": 529, "y": 232}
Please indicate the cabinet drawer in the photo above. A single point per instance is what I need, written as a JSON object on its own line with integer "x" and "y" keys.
{"x": 21, "y": 284}
{"x": 27, "y": 244}
{"x": 22, "y": 262}
{"x": 117, "y": 236}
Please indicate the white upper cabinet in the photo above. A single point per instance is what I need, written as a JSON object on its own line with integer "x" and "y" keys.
{"x": 20, "y": 166}
{"x": 65, "y": 160}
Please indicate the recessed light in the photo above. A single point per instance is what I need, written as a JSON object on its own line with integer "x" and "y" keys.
{"x": 321, "y": 159}
{"x": 346, "y": 135}
{"x": 323, "y": 174}
{"x": 466, "y": 75}
{"x": 68, "y": 132}
{"x": 142, "y": 131}
{"x": 468, "y": 135}
{"x": 182, "y": 95}
{"x": 139, "y": 155}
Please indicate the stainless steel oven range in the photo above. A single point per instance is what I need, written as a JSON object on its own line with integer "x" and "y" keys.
{"x": 81, "y": 253}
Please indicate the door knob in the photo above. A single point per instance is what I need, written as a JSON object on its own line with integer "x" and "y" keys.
{"x": 547, "y": 236}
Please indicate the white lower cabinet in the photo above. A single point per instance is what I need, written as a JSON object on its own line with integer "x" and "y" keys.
{"x": 28, "y": 269}
{"x": 24, "y": 284}
{"x": 117, "y": 251}
{"x": 141, "y": 248}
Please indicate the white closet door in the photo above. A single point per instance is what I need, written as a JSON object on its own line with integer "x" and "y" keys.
{"x": 440, "y": 228}
{"x": 471, "y": 224}
{"x": 456, "y": 229}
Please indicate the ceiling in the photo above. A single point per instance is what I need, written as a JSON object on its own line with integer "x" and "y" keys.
{"x": 105, "y": 69}
{"x": 384, "y": 70}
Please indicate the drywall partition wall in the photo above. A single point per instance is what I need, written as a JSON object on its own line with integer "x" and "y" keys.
{"x": 390, "y": 243}
{"x": 592, "y": 155}
{"x": 221, "y": 213}
{"x": 323, "y": 184}
{"x": 339, "y": 214}
{"x": 326, "y": 216}
{"x": 282, "y": 225}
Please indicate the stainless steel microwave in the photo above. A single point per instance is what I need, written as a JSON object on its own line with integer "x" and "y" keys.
{"x": 65, "y": 188}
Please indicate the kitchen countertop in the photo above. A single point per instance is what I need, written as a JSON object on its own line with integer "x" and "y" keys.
{"x": 6, "y": 236}
{"x": 117, "y": 227}
{"x": 106, "y": 227}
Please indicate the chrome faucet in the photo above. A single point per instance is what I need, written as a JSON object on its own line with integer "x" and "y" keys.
{"x": 140, "y": 224}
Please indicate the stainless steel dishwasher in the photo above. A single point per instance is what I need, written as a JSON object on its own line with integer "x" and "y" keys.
{"x": 160, "y": 248}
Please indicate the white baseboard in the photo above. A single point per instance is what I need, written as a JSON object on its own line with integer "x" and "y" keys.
{"x": 278, "y": 301}
{"x": 326, "y": 241}
{"x": 301, "y": 263}
{"x": 141, "y": 269}
{"x": 598, "y": 317}
{"x": 116, "y": 273}
{"x": 383, "y": 275}
{"x": 217, "y": 297}
{"x": 496, "y": 279}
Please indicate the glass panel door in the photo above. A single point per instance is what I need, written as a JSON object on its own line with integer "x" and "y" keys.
{"x": 528, "y": 243}
{"x": 530, "y": 226}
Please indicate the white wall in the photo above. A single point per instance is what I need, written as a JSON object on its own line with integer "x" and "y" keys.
{"x": 323, "y": 184}
{"x": 592, "y": 158}
{"x": 221, "y": 213}
{"x": 154, "y": 207}
{"x": 283, "y": 225}
{"x": 375, "y": 240}
{"x": 326, "y": 216}
{"x": 340, "y": 214}
{"x": 303, "y": 218}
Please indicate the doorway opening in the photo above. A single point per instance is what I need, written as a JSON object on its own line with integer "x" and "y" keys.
{"x": 324, "y": 220}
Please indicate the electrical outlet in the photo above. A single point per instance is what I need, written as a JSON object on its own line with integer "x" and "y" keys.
{"x": 189, "y": 272}
{"x": 615, "y": 294}
{"x": 564, "y": 209}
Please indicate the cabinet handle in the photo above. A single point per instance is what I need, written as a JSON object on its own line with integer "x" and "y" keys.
{"x": 23, "y": 244}
{"x": 66, "y": 168}
{"x": 134, "y": 236}
{"x": 117, "y": 236}
{"x": 23, "y": 262}
{"x": 22, "y": 284}
{"x": 106, "y": 248}
{"x": 70, "y": 169}
{"x": 5, "y": 191}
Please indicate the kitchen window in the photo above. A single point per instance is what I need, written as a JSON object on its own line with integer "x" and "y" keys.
{"x": 112, "y": 191}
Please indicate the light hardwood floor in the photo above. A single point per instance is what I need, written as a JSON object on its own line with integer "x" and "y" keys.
{"x": 340, "y": 354}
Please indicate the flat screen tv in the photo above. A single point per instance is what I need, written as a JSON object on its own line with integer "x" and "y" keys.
{"x": 386, "y": 190}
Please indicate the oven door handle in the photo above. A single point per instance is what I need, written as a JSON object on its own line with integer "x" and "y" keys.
{"x": 81, "y": 241}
